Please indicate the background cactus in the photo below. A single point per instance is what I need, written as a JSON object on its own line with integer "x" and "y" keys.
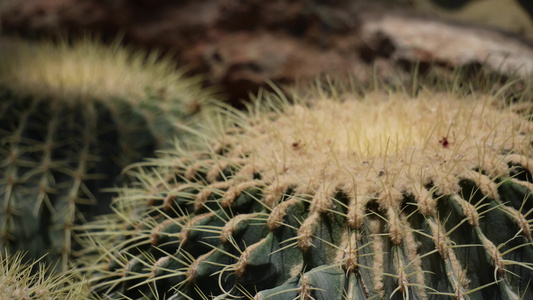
{"x": 337, "y": 196}
{"x": 71, "y": 117}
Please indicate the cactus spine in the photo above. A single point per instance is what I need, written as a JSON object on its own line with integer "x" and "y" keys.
{"x": 384, "y": 196}
{"x": 71, "y": 117}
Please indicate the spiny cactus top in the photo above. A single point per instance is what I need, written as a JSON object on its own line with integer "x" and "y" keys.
{"x": 25, "y": 281}
{"x": 384, "y": 196}
{"x": 71, "y": 117}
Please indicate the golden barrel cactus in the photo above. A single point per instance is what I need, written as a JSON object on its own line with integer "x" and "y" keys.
{"x": 334, "y": 195}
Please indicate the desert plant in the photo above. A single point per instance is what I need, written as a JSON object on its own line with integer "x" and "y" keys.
{"x": 25, "y": 281}
{"x": 72, "y": 115}
{"x": 333, "y": 195}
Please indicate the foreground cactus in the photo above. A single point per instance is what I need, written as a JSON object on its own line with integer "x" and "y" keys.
{"x": 19, "y": 280}
{"x": 333, "y": 197}
{"x": 71, "y": 117}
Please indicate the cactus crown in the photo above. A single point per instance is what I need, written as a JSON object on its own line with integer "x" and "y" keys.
{"x": 333, "y": 197}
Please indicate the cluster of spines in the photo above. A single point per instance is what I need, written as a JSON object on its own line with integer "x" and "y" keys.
{"x": 34, "y": 280}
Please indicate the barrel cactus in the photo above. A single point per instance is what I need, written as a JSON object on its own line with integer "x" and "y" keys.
{"x": 71, "y": 117}
{"x": 333, "y": 196}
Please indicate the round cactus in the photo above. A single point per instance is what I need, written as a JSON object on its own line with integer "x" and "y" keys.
{"x": 71, "y": 117}
{"x": 333, "y": 196}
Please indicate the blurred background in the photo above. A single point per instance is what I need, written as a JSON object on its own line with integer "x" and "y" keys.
{"x": 239, "y": 45}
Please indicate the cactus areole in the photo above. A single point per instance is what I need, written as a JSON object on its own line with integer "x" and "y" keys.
{"x": 382, "y": 196}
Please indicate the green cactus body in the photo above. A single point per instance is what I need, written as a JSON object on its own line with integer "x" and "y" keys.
{"x": 66, "y": 133}
{"x": 384, "y": 197}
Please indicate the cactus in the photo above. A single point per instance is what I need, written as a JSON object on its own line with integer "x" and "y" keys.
{"x": 18, "y": 280}
{"x": 71, "y": 117}
{"x": 333, "y": 196}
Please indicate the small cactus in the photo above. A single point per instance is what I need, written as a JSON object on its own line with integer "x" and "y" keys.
{"x": 71, "y": 117}
{"x": 334, "y": 196}
{"x": 35, "y": 280}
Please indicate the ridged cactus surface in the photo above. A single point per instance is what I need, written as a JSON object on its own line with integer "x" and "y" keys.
{"x": 335, "y": 197}
{"x": 71, "y": 117}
